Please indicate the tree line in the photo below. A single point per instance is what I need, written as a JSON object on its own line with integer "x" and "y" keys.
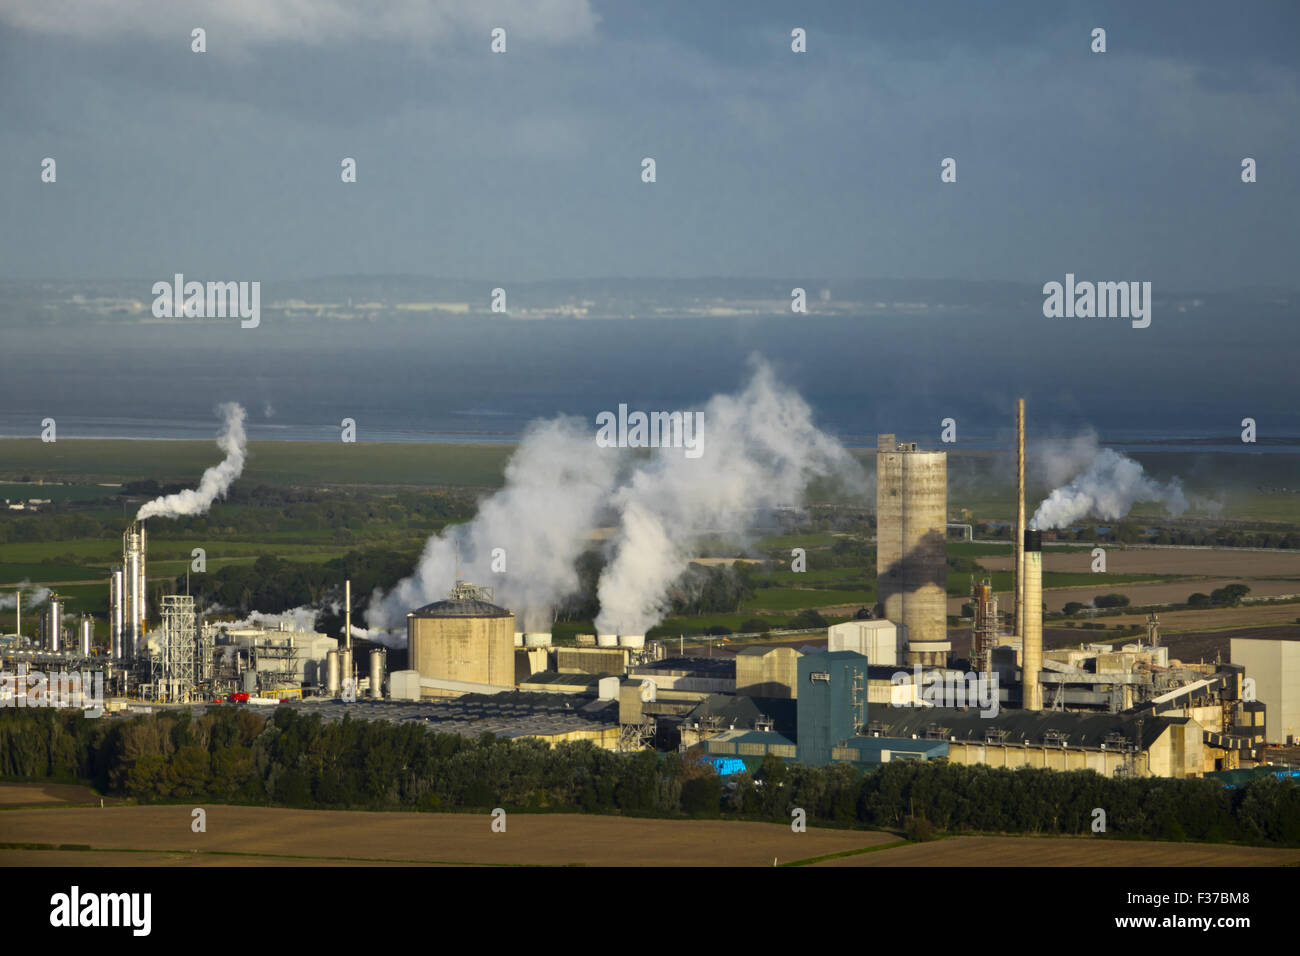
{"x": 293, "y": 759}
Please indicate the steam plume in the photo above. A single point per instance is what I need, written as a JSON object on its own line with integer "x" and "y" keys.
{"x": 557, "y": 484}
{"x": 762, "y": 452}
{"x": 1107, "y": 488}
{"x": 216, "y": 480}
{"x": 31, "y": 596}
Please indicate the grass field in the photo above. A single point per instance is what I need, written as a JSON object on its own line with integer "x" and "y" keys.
{"x": 317, "y": 464}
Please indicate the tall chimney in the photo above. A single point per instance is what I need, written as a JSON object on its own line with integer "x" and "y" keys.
{"x": 1031, "y": 616}
{"x": 1019, "y": 568}
{"x": 347, "y": 612}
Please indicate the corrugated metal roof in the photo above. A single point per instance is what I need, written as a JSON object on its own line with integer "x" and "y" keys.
{"x": 743, "y": 711}
{"x": 1021, "y": 726}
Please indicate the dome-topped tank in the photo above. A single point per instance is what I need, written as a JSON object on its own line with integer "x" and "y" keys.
{"x": 465, "y": 637}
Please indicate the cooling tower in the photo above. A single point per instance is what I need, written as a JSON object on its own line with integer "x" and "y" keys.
{"x": 1032, "y": 615}
{"x": 519, "y": 638}
{"x": 911, "y": 551}
{"x": 607, "y": 640}
{"x": 633, "y": 641}
{"x": 537, "y": 639}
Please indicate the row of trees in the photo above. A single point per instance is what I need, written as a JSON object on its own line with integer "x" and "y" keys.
{"x": 298, "y": 760}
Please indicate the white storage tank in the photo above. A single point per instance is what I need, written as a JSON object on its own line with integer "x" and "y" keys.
{"x": 377, "y": 661}
{"x": 332, "y": 673}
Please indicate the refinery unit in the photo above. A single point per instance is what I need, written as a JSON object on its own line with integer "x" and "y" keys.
{"x": 866, "y": 696}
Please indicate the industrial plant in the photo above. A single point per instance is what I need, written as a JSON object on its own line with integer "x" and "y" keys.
{"x": 877, "y": 689}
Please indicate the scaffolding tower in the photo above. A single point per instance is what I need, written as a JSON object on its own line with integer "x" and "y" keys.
{"x": 174, "y": 665}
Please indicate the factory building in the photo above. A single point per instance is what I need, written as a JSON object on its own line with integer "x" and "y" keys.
{"x": 1151, "y": 746}
{"x": 1275, "y": 667}
{"x": 463, "y": 644}
{"x": 512, "y": 715}
{"x": 280, "y": 658}
{"x": 832, "y": 703}
{"x": 767, "y": 671}
{"x": 911, "y": 536}
{"x": 882, "y": 643}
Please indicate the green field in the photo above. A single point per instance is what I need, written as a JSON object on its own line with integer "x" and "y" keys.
{"x": 796, "y": 599}
{"x": 42, "y": 573}
{"x": 315, "y": 464}
{"x": 959, "y": 582}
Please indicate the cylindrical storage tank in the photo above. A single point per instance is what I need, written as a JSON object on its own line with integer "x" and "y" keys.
{"x": 54, "y": 625}
{"x": 1031, "y": 689}
{"x": 115, "y": 615}
{"x": 345, "y": 668}
{"x": 519, "y": 638}
{"x": 537, "y": 639}
{"x": 87, "y": 635}
{"x": 463, "y": 639}
{"x": 377, "y": 674}
{"x": 332, "y": 673}
{"x": 134, "y": 604}
{"x": 634, "y": 641}
{"x": 607, "y": 640}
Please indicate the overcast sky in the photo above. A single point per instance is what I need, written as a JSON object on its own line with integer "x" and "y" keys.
{"x": 526, "y": 165}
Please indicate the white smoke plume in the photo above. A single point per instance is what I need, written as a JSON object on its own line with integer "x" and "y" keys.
{"x": 32, "y": 597}
{"x": 296, "y": 619}
{"x": 216, "y": 480}
{"x": 556, "y": 487}
{"x": 762, "y": 451}
{"x": 1106, "y": 488}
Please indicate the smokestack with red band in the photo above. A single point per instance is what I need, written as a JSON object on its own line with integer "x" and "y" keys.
{"x": 1031, "y": 616}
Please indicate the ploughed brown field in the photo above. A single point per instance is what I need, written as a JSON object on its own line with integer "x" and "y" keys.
{"x": 261, "y": 836}
{"x": 256, "y": 834}
{"x": 1208, "y": 564}
{"x": 40, "y": 794}
{"x": 1066, "y": 851}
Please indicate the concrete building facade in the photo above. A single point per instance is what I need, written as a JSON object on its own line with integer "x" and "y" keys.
{"x": 1274, "y": 666}
{"x": 911, "y": 538}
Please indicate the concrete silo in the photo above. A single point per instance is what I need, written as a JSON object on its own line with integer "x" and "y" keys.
{"x": 911, "y": 545}
{"x": 462, "y": 640}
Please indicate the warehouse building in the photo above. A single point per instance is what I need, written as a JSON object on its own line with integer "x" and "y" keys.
{"x": 1274, "y": 665}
